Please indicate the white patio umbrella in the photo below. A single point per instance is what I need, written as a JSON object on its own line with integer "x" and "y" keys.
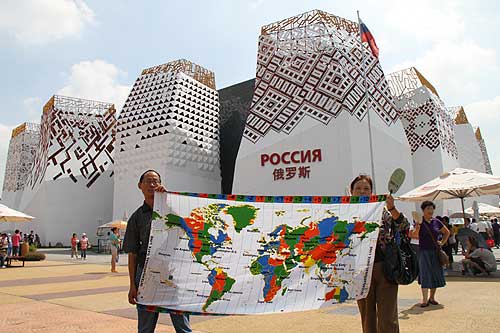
{"x": 484, "y": 209}
{"x": 11, "y": 215}
{"x": 122, "y": 225}
{"x": 458, "y": 183}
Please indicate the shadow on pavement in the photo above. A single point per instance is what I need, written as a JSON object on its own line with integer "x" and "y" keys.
{"x": 417, "y": 310}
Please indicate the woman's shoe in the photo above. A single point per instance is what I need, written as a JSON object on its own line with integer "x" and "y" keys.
{"x": 424, "y": 305}
{"x": 433, "y": 302}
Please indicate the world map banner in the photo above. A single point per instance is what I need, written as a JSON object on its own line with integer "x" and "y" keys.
{"x": 241, "y": 254}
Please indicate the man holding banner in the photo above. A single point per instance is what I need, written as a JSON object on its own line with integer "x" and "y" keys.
{"x": 136, "y": 243}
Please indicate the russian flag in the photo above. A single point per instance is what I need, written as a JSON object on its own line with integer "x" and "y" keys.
{"x": 366, "y": 36}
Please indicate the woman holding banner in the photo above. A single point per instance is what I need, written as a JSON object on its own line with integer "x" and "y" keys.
{"x": 379, "y": 310}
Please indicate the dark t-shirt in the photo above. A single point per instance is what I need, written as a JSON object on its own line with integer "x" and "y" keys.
{"x": 137, "y": 233}
{"x": 496, "y": 228}
{"x": 425, "y": 240}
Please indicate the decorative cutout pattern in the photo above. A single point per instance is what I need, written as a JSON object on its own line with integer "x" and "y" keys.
{"x": 426, "y": 120}
{"x": 311, "y": 65}
{"x": 77, "y": 139}
{"x": 484, "y": 152}
{"x": 22, "y": 148}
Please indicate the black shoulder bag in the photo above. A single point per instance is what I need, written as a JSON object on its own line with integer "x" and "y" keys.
{"x": 400, "y": 262}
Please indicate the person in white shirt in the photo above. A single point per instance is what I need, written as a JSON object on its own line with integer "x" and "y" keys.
{"x": 474, "y": 226}
{"x": 414, "y": 237}
{"x": 482, "y": 229}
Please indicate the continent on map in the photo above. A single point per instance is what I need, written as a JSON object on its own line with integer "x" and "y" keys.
{"x": 208, "y": 232}
{"x": 338, "y": 294}
{"x": 205, "y": 230}
{"x": 243, "y": 216}
{"x": 317, "y": 243}
{"x": 221, "y": 283}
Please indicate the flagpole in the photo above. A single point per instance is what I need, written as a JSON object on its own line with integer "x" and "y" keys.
{"x": 367, "y": 101}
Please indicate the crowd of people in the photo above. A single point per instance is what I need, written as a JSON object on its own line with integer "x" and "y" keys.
{"x": 10, "y": 244}
{"x": 83, "y": 244}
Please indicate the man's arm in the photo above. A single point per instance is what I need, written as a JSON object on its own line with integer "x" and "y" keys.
{"x": 132, "y": 266}
{"x": 131, "y": 246}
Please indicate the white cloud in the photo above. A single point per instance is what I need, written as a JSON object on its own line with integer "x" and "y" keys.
{"x": 425, "y": 20}
{"x": 486, "y": 114}
{"x": 96, "y": 80}
{"x": 456, "y": 68}
{"x": 43, "y": 21}
{"x": 5, "y": 133}
{"x": 254, "y": 4}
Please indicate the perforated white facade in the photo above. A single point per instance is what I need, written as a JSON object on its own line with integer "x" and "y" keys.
{"x": 170, "y": 123}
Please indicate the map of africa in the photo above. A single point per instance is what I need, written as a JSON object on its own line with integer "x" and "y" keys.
{"x": 224, "y": 256}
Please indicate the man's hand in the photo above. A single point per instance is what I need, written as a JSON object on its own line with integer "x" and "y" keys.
{"x": 440, "y": 243}
{"x": 389, "y": 201}
{"x": 132, "y": 295}
{"x": 160, "y": 188}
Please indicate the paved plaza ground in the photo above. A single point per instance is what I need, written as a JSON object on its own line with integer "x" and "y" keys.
{"x": 64, "y": 295}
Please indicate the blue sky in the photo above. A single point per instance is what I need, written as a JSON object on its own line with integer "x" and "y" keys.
{"x": 96, "y": 49}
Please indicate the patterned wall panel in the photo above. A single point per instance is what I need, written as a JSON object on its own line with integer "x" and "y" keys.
{"x": 77, "y": 139}
{"x": 312, "y": 65}
{"x": 173, "y": 110}
{"x": 21, "y": 155}
{"x": 427, "y": 122}
{"x": 235, "y": 102}
{"x": 484, "y": 152}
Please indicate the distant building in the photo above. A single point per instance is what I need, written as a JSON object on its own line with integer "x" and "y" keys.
{"x": 170, "y": 123}
{"x": 20, "y": 157}
{"x": 70, "y": 184}
{"x": 441, "y": 139}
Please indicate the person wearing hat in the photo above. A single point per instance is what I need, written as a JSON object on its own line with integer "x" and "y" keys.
{"x": 84, "y": 243}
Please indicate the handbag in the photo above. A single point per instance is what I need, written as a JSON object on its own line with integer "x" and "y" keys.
{"x": 400, "y": 261}
{"x": 491, "y": 243}
{"x": 444, "y": 260}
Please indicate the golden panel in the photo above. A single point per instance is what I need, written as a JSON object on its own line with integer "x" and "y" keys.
{"x": 18, "y": 130}
{"x": 461, "y": 118}
{"x": 49, "y": 105}
{"x": 426, "y": 83}
{"x": 479, "y": 137}
{"x": 309, "y": 18}
{"x": 187, "y": 67}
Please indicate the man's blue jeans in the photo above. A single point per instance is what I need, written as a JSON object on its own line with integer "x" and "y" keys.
{"x": 146, "y": 320}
